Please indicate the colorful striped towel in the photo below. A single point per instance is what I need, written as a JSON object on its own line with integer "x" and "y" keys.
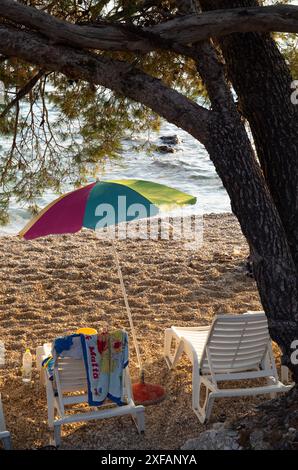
{"x": 105, "y": 356}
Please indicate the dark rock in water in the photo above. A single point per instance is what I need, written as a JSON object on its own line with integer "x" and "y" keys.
{"x": 165, "y": 149}
{"x": 170, "y": 139}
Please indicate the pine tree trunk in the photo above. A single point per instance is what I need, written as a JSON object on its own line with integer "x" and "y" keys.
{"x": 251, "y": 201}
{"x": 262, "y": 81}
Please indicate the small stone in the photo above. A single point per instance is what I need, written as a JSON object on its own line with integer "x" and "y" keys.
{"x": 222, "y": 417}
{"x": 170, "y": 139}
{"x": 165, "y": 149}
{"x": 240, "y": 426}
{"x": 218, "y": 426}
{"x": 235, "y": 446}
{"x": 292, "y": 434}
{"x": 227, "y": 424}
{"x": 214, "y": 439}
{"x": 257, "y": 440}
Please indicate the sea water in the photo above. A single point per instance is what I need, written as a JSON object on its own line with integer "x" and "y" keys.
{"x": 188, "y": 169}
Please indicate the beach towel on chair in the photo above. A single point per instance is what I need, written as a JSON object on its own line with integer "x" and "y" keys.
{"x": 118, "y": 344}
{"x": 105, "y": 356}
{"x": 63, "y": 346}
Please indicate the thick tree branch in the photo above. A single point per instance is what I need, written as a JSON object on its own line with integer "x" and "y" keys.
{"x": 194, "y": 28}
{"x": 119, "y": 76}
{"x": 23, "y": 92}
{"x": 173, "y": 33}
{"x": 104, "y": 36}
{"x": 209, "y": 67}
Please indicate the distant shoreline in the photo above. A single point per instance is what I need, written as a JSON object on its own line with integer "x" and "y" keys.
{"x": 205, "y": 215}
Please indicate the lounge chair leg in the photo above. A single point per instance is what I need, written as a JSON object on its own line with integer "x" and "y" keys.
{"x": 209, "y": 406}
{"x": 172, "y": 359}
{"x": 7, "y": 443}
{"x": 271, "y": 382}
{"x": 196, "y": 388}
{"x": 284, "y": 374}
{"x": 200, "y": 414}
{"x": 203, "y": 412}
{"x": 272, "y": 395}
{"x": 167, "y": 348}
{"x": 51, "y": 416}
{"x": 51, "y": 406}
{"x": 178, "y": 354}
{"x": 139, "y": 420}
{"x": 196, "y": 392}
{"x": 266, "y": 365}
{"x": 57, "y": 435}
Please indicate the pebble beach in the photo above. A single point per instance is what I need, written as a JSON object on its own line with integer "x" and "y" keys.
{"x": 50, "y": 287}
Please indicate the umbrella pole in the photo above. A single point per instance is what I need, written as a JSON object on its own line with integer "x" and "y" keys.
{"x": 133, "y": 331}
{"x": 143, "y": 393}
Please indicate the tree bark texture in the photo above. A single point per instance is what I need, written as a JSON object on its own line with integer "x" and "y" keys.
{"x": 262, "y": 81}
{"x": 182, "y": 30}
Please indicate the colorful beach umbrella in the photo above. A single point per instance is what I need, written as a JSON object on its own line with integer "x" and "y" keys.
{"x": 79, "y": 208}
{"x": 87, "y": 207}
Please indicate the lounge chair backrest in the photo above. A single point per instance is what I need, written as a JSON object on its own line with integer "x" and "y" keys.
{"x": 236, "y": 343}
{"x": 70, "y": 375}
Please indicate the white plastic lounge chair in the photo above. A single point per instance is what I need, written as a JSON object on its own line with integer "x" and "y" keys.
{"x": 4, "y": 434}
{"x": 70, "y": 376}
{"x": 233, "y": 347}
